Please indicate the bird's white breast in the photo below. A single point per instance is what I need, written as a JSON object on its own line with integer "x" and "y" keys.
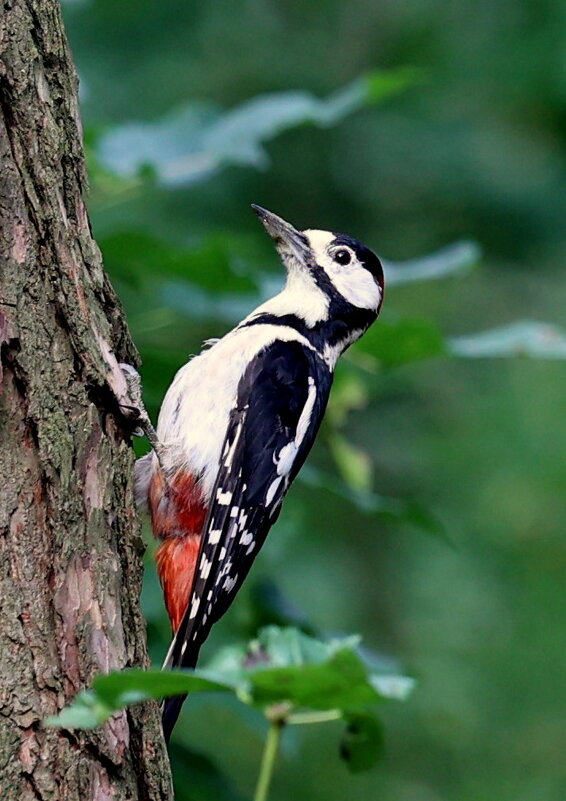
{"x": 195, "y": 412}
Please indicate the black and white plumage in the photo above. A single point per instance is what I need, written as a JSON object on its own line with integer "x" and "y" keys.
{"x": 238, "y": 422}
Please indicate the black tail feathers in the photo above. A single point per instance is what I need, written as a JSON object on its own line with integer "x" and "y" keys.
{"x": 170, "y": 710}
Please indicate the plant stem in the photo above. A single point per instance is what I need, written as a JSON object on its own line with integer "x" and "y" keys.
{"x": 268, "y": 760}
{"x": 314, "y": 717}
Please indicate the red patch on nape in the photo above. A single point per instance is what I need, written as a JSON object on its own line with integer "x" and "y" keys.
{"x": 176, "y": 562}
{"x": 177, "y": 514}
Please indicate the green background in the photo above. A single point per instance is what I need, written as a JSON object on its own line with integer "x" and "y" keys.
{"x": 458, "y": 574}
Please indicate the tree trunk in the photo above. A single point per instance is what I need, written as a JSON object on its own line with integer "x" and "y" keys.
{"x": 70, "y": 549}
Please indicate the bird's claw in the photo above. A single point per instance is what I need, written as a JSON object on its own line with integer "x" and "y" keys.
{"x": 136, "y": 409}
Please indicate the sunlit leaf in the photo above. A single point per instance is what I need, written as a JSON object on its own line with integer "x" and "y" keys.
{"x": 353, "y": 462}
{"x": 398, "y": 688}
{"x": 86, "y": 712}
{"x": 455, "y": 258}
{"x": 193, "y": 142}
{"x": 198, "y": 304}
{"x": 349, "y": 392}
{"x": 523, "y": 338}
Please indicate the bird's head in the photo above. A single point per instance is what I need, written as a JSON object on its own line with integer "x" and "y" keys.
{"x": 330, "y": 276}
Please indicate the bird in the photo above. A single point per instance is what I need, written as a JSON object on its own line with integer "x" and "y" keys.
{"x": 237, "y": 423}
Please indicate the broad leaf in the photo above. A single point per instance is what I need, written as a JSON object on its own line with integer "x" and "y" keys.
{"x": 340, "y": 682}
{"x": 112, "y": 691}
{"x": 195, "y": 141}
{"x": 523, "y": 338}
{"x": 282, "y": 665}
{"x": 454, "y": 258}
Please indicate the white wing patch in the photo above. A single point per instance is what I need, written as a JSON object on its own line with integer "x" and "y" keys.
{"x": 224, "y": 498}
{"x": 305, "y": 418}
{"x": 205, "y": 565}
{"x": 230, "y": 583}
{"x": 288, "y": 453}
{"x": 195, "y": 603}
{"x": 272, "y": 489}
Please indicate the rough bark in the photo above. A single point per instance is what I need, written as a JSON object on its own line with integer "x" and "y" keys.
{"x": 70, "y": 549}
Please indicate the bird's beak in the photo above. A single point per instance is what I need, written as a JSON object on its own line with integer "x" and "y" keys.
{"x": 288, "y": 241}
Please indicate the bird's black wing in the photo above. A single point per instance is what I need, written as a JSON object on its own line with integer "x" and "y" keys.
{"x": 280, "y": 403}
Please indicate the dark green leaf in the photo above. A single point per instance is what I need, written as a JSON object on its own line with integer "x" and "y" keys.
{"x": 361, "y": 745}
{"x": 198, "y": 777}
{"x": 136, "y": 255}
{"x": 113, "y": 691}
{"x": 281, "y": 665}
{"x": 370, "y": 503}
{"x": 404, "y": 341}
{"x": 341, "y": 682}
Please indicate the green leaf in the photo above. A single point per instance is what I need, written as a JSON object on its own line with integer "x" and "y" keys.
{"x": 361, "y": 745}
{"x": 371, "y": 503}
{"x": 450, "y": 260}
{"x": 402, "y": 342}
{"x": 353, "y": 462}
{"x": 306, "y": 672}
{"x": 113, "y": 691}
{"x": 281, "y": 665}
{"x": 349, "y": 393}
{"x": 523, "y": 338}
{"x": 381, "y": 84}
{"x": 136, "y": 255}
{"x": 288, "y": 646}
{"x": 117, "y": 688}
{"x": 340, "y": 682}
{"x": 194, "y": 141}
{"x": 396, "y": 688}
{"x": 86, "y": 712}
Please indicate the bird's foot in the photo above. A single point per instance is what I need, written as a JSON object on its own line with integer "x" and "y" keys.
{"x": 135, "y": 409}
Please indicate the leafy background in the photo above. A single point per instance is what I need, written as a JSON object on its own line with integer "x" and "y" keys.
{"x": 431, "y": 516}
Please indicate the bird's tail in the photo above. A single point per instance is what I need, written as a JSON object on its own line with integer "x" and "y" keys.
{"x": 170, "y": 710}
{"x": 171, "y": 707}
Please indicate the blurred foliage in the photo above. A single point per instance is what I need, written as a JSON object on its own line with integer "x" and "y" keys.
{"x": 420, "y": 128}
{"x": 282, "y": 667}
{"x": 294, "y": 679}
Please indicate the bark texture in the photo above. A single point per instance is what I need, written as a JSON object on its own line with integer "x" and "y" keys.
{"x": 70, "y": 549}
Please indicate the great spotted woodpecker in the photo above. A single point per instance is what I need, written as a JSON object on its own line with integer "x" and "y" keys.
{"x": 238, "y": 422}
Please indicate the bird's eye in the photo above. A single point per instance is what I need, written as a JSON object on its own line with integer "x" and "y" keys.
{"x": 343, "y": 256}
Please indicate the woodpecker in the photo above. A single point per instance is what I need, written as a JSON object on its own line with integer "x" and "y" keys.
{"x": 237, "y": 423}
